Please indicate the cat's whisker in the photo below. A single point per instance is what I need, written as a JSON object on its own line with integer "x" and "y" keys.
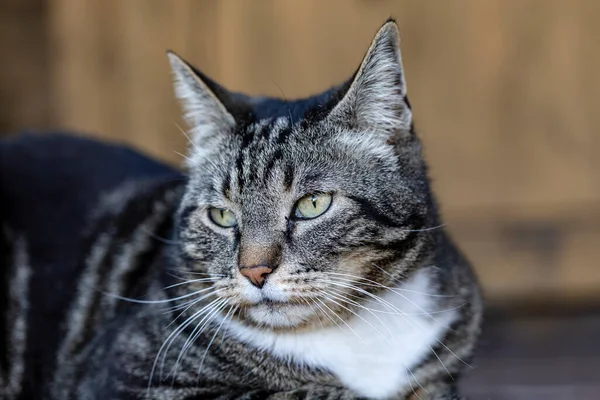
{"x": 342, "y": 296}
{"x": 342, "y": 320}
{"x": 373, "y": 283}
{"x": 171, "y": 337}
{"x": 188, "y": 304}
{"x": 212, "y": 339}
{"x": 185, "y": 306}
{"x": 362, "y": 306}
{"x": 191, "y": 142}
{"x": 116, "y": 296}
{"x": 192, "y": 281}
{"x": 416, "y": 380}
{"x": 426, "y": 313}
{"x": 160, "y": 238}
{"x": 412, "y": 322}
{"x": 392, "y": 312}
{"x": 418, "y": 326}
{"x": 406, "y": 317}
{"x": 361, "y": 290}
{"x": 412, "y": 291}
{"x": 183, "y": 155}
{"x": 196, "y": 332}
{"x": 441, "y": 362}
{"x": 412, "y": 388}
{"x": 383, "y": 336}
{"x": 204, "y": 323}
{"x": 323, "y": 311}
{"x": 207, "y": 309}
{"x": 310, "y": 305}
{"x": 183, "y": 271}
{"x": 424, "y": 229}
{"x": 329, "y": 297}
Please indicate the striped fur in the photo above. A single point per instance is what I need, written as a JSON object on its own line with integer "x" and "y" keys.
{"x": 369, "y": 300}
{"x": 19, "y": 273}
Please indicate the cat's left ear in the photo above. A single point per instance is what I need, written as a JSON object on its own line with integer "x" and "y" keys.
{"x": 376, "y": 99}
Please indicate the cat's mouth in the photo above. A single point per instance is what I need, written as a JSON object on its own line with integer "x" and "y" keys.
{"x": 276, "y": 314}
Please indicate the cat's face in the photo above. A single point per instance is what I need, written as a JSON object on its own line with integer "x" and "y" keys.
{"x": 293, "y": 221}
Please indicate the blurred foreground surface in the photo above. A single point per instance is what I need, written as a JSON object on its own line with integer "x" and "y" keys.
{"x": 533, "y": 357}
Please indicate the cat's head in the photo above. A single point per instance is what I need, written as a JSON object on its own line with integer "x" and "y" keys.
{"x": 299, "y": 209}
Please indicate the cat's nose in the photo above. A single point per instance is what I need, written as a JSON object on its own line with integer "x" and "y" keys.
{"x": 257, "y": 275}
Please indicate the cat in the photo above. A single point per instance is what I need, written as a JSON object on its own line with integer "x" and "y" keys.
{"x": 302, "y": 255}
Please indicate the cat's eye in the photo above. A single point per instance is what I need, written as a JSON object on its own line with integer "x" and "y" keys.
{"x": 312, "y": 205}
{"x": 222, "y": 217}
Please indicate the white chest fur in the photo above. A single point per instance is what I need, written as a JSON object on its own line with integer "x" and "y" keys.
{"x": 372, "y": 354}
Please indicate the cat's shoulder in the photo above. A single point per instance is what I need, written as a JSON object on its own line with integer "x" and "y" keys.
{"x": 50, "y": 183}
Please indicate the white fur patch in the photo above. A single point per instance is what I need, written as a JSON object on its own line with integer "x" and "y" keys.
{"x": 373, "y": 355}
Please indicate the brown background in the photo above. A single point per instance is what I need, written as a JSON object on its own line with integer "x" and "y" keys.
{"x": 505, "y": 93}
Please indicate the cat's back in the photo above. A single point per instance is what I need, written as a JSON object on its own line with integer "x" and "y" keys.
{"x": 50, "y": 186}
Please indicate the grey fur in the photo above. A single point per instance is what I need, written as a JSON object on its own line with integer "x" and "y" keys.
{"x": 11, "y": 381}
{"x": 383, "y": 227}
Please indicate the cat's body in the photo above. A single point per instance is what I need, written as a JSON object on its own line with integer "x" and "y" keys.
{"x": 367, "y": 298}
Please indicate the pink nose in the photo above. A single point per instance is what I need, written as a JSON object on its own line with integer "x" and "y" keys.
{"x": 257, "y": 275}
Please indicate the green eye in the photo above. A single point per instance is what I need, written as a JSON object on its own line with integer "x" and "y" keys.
{"x": 312, "y": 205}
{"x": 222, "y": 217}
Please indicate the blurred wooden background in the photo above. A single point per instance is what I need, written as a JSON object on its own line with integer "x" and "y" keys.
{"x": 506, "y": 95}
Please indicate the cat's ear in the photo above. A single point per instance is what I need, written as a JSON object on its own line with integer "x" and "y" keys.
{"x": 205, "y": 105}
{"x": 376, "y": 99}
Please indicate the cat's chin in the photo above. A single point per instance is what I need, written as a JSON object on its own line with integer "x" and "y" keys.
{"x": 277, "y": 315}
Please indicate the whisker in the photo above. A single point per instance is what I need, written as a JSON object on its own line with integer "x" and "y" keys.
{"x": 209, "y": 308}
{"x": 425, "y": 313}
{"x": 310, "y": 305}
{"x": 186, "y": 135}
{"x": 416, "y": 380}
{"x": 409, "y": 290}
{"x": 183, "y": 271}
{"x": 198, "y": 329}
{"x": 380, "y": 333}
{"x": 159, "y": 238}
{"x": 424, "y": 229}
{"x": 183, "y": 155}
{"x": 377, "y": 284}
{"x": 192, "y": 281}
{"x": 403, "y": 315}
{"x": 356, "y": 314}
{"x": 441, "y": 362}
{"x": 172, "y": 337}
{"x": 204, "y": 323}
{"x": 314, "y": 300}
{"x": 116, "y": 296}
{"x": 231, "y": 308}
{"x": 344, "y": 322}
{"x": 412, "y": 388}
{"x": 188, "y": 304}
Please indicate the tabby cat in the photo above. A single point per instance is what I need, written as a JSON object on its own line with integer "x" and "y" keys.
{"x": 301, "y": 257}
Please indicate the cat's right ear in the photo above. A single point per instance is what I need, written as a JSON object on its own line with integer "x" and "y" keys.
{"x": 203, "y": 105}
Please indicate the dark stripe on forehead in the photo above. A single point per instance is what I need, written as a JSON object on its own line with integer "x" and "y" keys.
{"x": 288, "y": 176}
{"x": 226, "y": 186}
{"x": 239, "y": 166}
{"x": 271, "y": 164}
{"x": 247, "y": 137}
{"x": 281, "y": 135}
